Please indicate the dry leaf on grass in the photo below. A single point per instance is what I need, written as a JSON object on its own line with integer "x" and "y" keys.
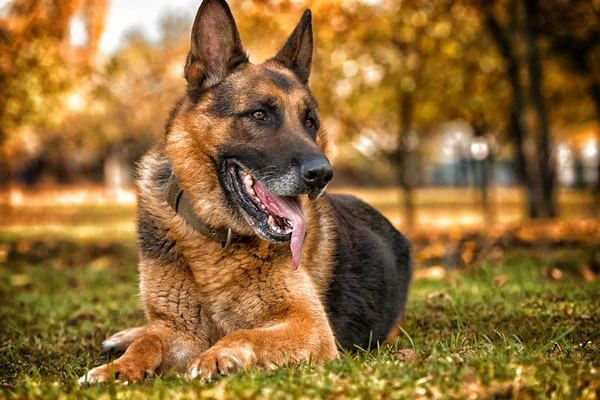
{"x": 20, "y": 280}
{"x": 407, "y": 355}
{"x": 101, "y": 263}
{"x": 79, "y": 317}
{"x": 586, "y": 273}
{"x": 500, "y": 280}
{"x": 553, "y": 274}
{"x": 437, "y": 295}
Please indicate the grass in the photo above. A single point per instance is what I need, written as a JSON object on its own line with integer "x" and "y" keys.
{"x": 531, "y": 337}
{"x": 526, "y": 339}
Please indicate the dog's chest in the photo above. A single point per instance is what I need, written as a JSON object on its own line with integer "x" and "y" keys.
{"x": 241, "y": 290}
{"x": 236, "y": 292}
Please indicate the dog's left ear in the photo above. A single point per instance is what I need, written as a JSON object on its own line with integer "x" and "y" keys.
{"x": 215, "y": 46}
{"x": 296, "y": 54}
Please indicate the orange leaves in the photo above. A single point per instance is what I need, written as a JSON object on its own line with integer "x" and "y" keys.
{"x": 438, "y": 251}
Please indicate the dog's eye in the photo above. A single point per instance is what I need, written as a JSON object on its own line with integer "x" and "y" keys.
{"x": 259, "y": 115}
{"x": 310, "y": 122}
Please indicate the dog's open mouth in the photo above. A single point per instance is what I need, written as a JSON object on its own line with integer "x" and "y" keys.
{"x": 274, "y": 218}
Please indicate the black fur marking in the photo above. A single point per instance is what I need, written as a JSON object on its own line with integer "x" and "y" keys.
{"x": 173, "y": 114}
{"x": 222, "y": 104}
{"x": 280, "y": 80}
{"x": 153, "y": 241}
{"x": 196, "y": 91}
{"x": 371, "y": 275}
{"x": 214, "y": 162}
{"x": 162, "y": 174}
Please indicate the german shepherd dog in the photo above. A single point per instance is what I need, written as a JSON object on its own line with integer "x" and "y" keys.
{"x": 244, "y": 260}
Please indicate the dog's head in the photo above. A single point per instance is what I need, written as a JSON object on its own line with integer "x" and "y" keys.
{"x": 249, "y": 135}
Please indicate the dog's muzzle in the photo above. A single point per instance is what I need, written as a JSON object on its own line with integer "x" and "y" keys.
{"x": 316, "y": 172}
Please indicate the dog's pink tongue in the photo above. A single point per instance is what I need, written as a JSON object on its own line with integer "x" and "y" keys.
{"x": 290, "y": 208}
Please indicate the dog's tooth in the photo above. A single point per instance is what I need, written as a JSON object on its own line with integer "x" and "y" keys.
{"x": 270, "y": 220}
{"x": 247, "y": 179}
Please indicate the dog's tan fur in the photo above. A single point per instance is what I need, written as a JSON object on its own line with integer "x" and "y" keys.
{"x": 213, "y": 310}
{"x": 227, "y": 308}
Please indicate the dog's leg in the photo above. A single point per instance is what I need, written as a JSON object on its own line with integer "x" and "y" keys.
{"x": 159, "y": 349}
{"x": 120, "y": 341}
{"x": 300, "y": 337}
{"x": 140, "y": 360}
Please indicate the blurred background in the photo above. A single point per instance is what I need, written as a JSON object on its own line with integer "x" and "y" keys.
{"x": 448, "y": 116}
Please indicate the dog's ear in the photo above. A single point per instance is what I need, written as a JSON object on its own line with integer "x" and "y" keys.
{"x": 297, "y": 52}
{"x": 215, "y": 46}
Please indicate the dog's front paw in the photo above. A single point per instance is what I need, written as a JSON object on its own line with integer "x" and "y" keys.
{"x": 119, "y": 372}
{"x": 219, "y": 361}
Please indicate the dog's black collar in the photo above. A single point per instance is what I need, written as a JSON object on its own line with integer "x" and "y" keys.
{"x": 181, "y": 204}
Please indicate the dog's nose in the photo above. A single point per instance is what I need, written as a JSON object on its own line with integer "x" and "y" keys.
{"x": 316, "y": 172}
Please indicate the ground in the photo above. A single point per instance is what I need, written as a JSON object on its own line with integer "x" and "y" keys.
{"x": 509, "y": 329}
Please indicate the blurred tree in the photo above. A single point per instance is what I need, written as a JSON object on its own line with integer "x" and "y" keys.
{"x": 449, "y": 71}
{"x": 38, "y": 68}
{"x": 435, "y": 67}
{"x": 136, "y": 90}
{"x": 504, "y": 20}
{"x": 388, "y": 74}
{"x": 573, "y": 32}
{"x": 547, "y": 163}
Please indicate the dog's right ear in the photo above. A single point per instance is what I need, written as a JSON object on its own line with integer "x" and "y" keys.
{"x": 297, "y": 52}
{"x": 215, "y": 48}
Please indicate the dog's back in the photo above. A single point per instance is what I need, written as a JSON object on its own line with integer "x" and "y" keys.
{"x": 371, "y": 276}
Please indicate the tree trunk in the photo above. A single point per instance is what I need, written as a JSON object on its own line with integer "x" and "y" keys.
{"x": 580, "y": 52}
{"x": 487, "y": 192}
{"x": 527, "y": 167}
{"x": 4, "y": 176}
{"x": 405, "y": 159}
{"x": 484, "y": 170}
{"x": 534, "y": 69}
{"x": 594, "y": 90}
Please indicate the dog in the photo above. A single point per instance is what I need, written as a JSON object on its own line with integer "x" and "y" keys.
{"x": 244, "y": 259}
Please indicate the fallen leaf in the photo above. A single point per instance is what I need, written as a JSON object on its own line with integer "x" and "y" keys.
{"x": 407, "y": 355}
{"x": 435, "y": 250}
{"x": 24, "y": 246}
{"x": 553, "y": 274}
{"x": 556, "y": 274}
{"x": 468, "y": 251}
{"x": 586, "y": 273}
{"x": 558, "y": 297}
{"x": 100, "y": 263}
{"x": 81, "y": 316}
{"x": 500, "y": 280}
{"x": 437, "y": 295}
{"x": 20, "y": 280}
{"x": 74, "y": 283}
